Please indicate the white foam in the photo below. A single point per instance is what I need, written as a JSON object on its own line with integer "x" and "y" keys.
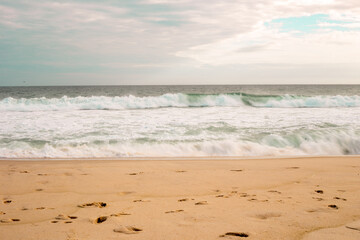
{"x": 174, "y": 100}
{"x": 113, "y": 103}
{"x": 327, "y": 145}
{"x": 182, "y": 131}
{"x": 288, "y": 101}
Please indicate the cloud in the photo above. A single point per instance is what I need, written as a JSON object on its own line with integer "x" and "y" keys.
{"x": 341, "y": 25}
{"x": 303, "y": 40}
{"x": 182, "y": 35}
{"x": 279, "y": 48}
{"x": 8, "y": 17}
{"x": 307, "y": 2}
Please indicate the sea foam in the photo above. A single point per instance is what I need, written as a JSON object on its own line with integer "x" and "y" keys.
{"x": 336, "y": 143}
{"x": 180, "y": 100}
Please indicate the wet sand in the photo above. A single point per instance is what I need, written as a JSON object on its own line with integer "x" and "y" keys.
{"x": 192, "y": 198}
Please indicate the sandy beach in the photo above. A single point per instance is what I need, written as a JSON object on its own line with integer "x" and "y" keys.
{"x": 192, "y": 198}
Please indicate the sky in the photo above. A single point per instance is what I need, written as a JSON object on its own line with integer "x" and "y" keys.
{"x": 132, "y": 42}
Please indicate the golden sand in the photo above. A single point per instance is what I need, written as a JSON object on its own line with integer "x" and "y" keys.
{"x": 199, "y": 198}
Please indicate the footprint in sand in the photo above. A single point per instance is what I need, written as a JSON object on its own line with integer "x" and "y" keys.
{"x": 292, "y": 168}
{"x": 93, "y": 204}
{"x": 236, "y": 170}
{"x": 127, "y": 230}
{"x": 2, "y": 213}
{"x": 221, "y": 196}
{"x": 183, "y": 200}
{"x": 265, "y": 216}
{"x": 339, "y": 198}
{"x": 5, "y": 221}
{"x": 61, "y": 217}
{"x": 243, "y": 195}
{"x": 235, "y": 234}
{"x": 312, "y": 210}
{"x": 333, "y": 206}
{"x": 101, "y": 219}
{"x": 180, "y": 171}
{"x": 42, "y": 174}
{"x": 319, "y": 191}
{"x": 39, "y": 189}
{"x": 318, "y": 198}
{"x": 119, "y": 214}
{"x": 9, "y": 220}
{"x": 132, "y": 174}
{"x": 125, "y": 193}
{"x": 201, "y": 203}
{"x": 64, "y": 217}
{"x": 24, "y": 171}
{"x": 274, "y": 191}
{"x": 257, "y": 200}
{"x": 140, "y": 200}
{"x": 175, "y": 211}
{"x": 7, "y": 201}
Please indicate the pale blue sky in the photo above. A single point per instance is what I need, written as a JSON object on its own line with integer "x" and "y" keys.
{"x": 87, "y": 42}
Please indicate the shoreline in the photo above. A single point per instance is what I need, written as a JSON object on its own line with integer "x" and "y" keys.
{"x": 170, "y": 198}
{"x": 180, "y": 158}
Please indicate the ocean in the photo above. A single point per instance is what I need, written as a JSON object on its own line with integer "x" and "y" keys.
{"x": 150, "y": 121}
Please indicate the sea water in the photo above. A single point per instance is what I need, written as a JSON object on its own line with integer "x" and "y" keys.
{"x": 141, "y": 121}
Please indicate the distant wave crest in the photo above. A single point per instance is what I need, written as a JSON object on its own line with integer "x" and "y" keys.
{"x": 177, "y": 100}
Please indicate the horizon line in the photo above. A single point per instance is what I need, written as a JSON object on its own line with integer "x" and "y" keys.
{"x": 134, "y": 85}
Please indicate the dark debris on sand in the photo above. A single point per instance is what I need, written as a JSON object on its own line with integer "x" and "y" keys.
{"x": 235, "y": 234}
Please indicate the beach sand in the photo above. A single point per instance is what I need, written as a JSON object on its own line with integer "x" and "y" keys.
{"x": 199, "y": 198}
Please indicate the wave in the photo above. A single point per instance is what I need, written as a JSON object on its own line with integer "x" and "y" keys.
{"x": 319, "y": 143}
{"x": 180, "y": 100}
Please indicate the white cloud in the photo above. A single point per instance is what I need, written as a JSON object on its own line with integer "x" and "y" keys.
{"x": 212, "y": 33}
{"x": 342, "y": 25}
{"x": 272, "y": 47}
{"x": 255, "y": 44}
{"x": 306, "y": 2}
{"x": 9, "y": 17}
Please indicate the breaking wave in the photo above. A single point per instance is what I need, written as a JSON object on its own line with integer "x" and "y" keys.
{"x": 177, "y": 100}
{"x": 321, "y": 143}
